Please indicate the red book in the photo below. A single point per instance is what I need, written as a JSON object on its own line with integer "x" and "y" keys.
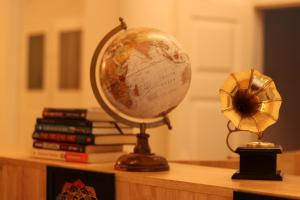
{"x": 76, "y": 157}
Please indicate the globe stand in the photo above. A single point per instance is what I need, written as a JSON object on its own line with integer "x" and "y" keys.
{"x": 142, "y": 160}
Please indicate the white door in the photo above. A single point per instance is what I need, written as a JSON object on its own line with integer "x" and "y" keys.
{"x": 44, "y": 80}
{"x": 9, "y": 51}
{"x": 216, "y": 34}
{"x": 33, "y": 88}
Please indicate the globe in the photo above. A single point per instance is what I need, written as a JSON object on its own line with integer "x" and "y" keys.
{"x": 144, "y": 73}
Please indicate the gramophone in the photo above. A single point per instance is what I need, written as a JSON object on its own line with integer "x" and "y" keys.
{"x": 251, "y": 102}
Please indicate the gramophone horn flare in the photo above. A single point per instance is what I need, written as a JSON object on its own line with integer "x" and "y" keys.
{"x": 250, "y": 100}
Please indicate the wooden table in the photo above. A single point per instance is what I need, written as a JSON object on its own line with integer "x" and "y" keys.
{"x": 23, "y": 177}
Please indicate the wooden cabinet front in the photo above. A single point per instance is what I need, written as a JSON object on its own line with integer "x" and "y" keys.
{"x": 25, "y": 178}
{"x": 21, "y": 182}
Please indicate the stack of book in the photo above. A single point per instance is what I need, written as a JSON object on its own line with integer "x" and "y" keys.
{"x": 80, "y": 135}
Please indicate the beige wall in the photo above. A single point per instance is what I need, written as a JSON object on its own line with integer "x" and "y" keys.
{"x": 155, "y": 13}
{"x": 9, "y": 52}
{"x": 100, "y": 17}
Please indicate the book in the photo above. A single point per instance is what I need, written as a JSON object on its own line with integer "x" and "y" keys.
{"x": 81, "y": 122}
{"x": 92, "y": 114}
{"x": 104, "y": 139}
{"x": 75, "y": 156}
{"x": 79, "y": 129}
{"x": 77, "y": 147}
{"x": 61, "y": 137}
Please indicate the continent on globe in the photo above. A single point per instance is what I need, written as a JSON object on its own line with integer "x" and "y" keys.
{"x": 144, "y": 73}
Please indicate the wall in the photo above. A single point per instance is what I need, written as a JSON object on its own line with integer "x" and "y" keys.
{"x": 157, "y": 14}
{"x": 100, "y": 17}
{"x": 9, "y": 52}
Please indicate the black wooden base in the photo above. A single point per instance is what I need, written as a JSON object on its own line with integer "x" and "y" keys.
{"x": 276, "y": 177}
{"x": 258, "y": 164}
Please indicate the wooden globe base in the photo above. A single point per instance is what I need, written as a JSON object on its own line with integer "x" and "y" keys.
{"x": 136, "y": 162}
{"x": 142, "y": 160}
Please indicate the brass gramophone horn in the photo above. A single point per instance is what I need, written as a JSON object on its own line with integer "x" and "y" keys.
{"x": 251, "y": 102}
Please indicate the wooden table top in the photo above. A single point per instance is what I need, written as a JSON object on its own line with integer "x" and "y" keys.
{"x": 181, "y": 176}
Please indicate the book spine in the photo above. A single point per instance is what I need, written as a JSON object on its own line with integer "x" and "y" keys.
{"x": 76, "y": 157}
{"x": 67, "y": 122}
{"x": 62, "y": 128}
{"x": 54, "y": 155}
{"x": 68, "y": 138}
{"x": 59, "y": 146}
{"x": 60, "y": 155}
{"x": 64, "y": 113}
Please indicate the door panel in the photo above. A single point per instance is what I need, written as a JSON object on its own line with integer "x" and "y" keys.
{"x": 205, "y": 85}
{"x": 50, "y": 94}
{"x": 207, "y": 136}
{"x": 66, "y": 97}
{"x": 213, "y": 47}
{"x": 32, "y": 100}
{"x": 215, "y": 35}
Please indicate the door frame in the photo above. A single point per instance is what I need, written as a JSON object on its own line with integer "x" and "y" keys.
{"x": 259, "y": 7}
{"x": 273, "y": 4}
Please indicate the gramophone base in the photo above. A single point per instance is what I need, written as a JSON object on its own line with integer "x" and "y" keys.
{"x": 258, "y": 164}
{"x": 137, "y": 162}
{"x": 248, "y": 176}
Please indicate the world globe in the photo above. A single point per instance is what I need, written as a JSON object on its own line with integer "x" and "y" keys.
{"x": 142, "y": 75}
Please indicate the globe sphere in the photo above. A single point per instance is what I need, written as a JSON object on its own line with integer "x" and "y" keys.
{"x": 144, "y": 73}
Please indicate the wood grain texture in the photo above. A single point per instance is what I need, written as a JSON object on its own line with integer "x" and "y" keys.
{"x": 181, "y": 182}
{"x": 20, "y": 181}
{"x": 230, "y": 164}
{"x": 133, "y": 191}
{"x": 33, "y": 183}
{"x": 10, "y": 182}
{"x": 288, "y": 162}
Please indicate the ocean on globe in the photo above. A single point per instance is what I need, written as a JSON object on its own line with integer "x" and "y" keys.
{"x": 144, "y": 73}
